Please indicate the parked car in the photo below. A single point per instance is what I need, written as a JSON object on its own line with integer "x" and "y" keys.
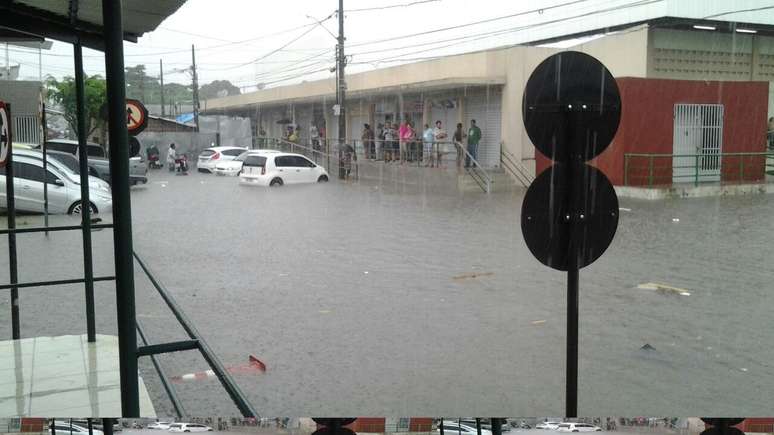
{"x": 450, "y": 428}
{"x": 212, "y": 156}
{"x": 160, "y": 425}
{"x": 578, "y": 427}
{"x": 277, "y": 169}
{"x": 189, "y": 427}
{"x": 97, "y": 424}
{"x": 234, "y": 167}
{"x": 71, "y": 146}
{"x": 138, "y": 170}
{"x": 486, "y": 424}
{"x": 63, "y": 427}
{"x": 550, "y": 425}
{"x": 64, "y": 190}
{"x": 65, "y": 164}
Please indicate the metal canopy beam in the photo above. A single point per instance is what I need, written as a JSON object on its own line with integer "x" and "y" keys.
{"x": 38, "y": 22}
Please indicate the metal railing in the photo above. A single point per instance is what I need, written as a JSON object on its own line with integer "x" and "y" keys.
{"x": 195, "y": 342}
{"x": 509, "y": 162}
{"x": 475, "y": 170}
{"x": 650, "y": 170}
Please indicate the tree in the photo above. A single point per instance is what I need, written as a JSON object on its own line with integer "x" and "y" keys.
{"x": 95, "y": 95}
{"x": 218, "y": 88}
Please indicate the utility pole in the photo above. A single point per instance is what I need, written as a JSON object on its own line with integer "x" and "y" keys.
{"x": 195, "y": 89}
{"x": 341, "y": 89}
{"x": 161, "y": 76}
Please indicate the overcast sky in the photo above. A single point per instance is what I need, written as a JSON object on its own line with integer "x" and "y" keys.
{"x": 219, "y": 29}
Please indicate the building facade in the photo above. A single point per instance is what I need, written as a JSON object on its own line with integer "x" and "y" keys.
{"x": 658, "y": 65}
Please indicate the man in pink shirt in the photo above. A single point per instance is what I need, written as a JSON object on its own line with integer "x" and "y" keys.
{"x": 403, "y": 136}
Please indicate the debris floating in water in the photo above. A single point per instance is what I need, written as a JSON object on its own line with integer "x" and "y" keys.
{"x": 253, "y": 365}
{"x": 675, "y": 220}
{"x": 538, "y": 322}
{"x": 647, "y": 346}
{"x": 743, "y": 369}
{"x": 471, "y": 275}
{"x": 664, "y": 289}
{"x": 624, "y": 209}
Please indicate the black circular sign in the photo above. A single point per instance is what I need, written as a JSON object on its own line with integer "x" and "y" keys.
{"x": 571, "y": 107}
{"x": 330, "y": 422}
{"x": 334, "y": 431}
{"x": 722, "y": 422}
{"x": 570, "y": 207}
{"x": 134, "y": 146}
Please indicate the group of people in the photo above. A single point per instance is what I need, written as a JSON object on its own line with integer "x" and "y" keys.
{"x": 402, "y": 143}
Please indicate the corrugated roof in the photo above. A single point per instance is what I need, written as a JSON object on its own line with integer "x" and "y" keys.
{"x": 68, "y": 20}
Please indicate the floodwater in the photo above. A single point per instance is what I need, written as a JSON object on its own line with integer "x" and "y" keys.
{"x": 385, "y": 297}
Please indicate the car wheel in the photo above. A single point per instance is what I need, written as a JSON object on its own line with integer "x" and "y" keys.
{"x": 322, "y": 179}
{"x": 276, "y": 182}
{"x": 76, "y": 208}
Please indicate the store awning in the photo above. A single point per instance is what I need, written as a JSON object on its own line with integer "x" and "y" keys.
{"x": 73, "y": 20}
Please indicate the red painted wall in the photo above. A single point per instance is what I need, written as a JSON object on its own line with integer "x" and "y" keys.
{"x": 421, "y": 424}
{"x": 33, "y": 424}
{"x": 760, "y": 425}
{"x": 647, "y": 126}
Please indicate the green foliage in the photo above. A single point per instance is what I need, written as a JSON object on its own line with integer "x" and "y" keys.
{"x": 95, "y": 95}
{"x": 218, "y": 88}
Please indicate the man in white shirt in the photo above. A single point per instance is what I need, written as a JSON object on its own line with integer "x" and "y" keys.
{"x": 439, "y": 135}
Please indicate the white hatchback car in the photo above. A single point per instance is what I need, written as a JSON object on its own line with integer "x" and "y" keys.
{"x": 64, "y": 189}
{"x": 276, "y": 169}
{"x": 578, "y": 427}
{"x": 550, "y": 425}
{"x": 61, "y": 427}
{"x": 231, "y": 168}
{"x": 451, "y": 428}
{"x": 159, "y": 425}
{"x": 189, "y": 427}
{"x": 212, "y": 156}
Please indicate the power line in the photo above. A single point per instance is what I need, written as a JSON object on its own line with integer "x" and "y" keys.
{"x": 489, "y": 20}
{"x": 260, "y": 58}
{"x": 379, "y": 8}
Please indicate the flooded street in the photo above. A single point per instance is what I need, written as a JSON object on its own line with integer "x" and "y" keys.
{"x": 404, "y": 299}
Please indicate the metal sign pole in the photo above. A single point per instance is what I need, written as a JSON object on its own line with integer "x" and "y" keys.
{"x": 122, "y": 213}
{"x": 44, "y": 135}
{"x": 11, "y": 206}
{"x": 83, "y": 161}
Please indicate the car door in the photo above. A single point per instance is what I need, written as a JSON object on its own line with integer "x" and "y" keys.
{"x": 285, "y": 170}
{"x": 232, "y": 154}
{"x": 301, "y": 169}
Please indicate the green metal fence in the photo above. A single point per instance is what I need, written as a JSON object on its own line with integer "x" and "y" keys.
{"x": 653, "y": 170}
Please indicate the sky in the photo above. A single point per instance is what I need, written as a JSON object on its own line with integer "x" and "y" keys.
{"x": 272, "y": 43}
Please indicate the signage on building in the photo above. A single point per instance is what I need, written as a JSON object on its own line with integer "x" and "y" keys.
{"x": 5, "y": 133}
{"x": 136, "y": 117}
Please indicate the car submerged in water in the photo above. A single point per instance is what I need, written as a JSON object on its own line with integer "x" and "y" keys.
{"x": 63, "y": 186}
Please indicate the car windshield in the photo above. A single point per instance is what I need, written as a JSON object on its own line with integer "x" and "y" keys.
{"x": 590, "y": 176}
{"x": 253, "y": 160}
{"x": 70, "y": 161}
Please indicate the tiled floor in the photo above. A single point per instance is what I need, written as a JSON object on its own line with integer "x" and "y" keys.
{"x": 63, "y": 376}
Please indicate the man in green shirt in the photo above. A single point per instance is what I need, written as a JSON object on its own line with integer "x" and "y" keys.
{"x": 474, "y": 136}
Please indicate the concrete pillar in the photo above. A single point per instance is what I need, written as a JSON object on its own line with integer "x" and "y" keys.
{"x": 426, "y": 113}
{"x": 755, "y": 58}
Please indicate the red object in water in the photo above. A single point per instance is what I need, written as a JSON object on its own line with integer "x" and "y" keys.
{"x": 257, "y": 363}
{"x": 253, "y": 365}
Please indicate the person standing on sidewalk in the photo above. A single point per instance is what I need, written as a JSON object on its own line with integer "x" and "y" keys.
{"x": 402, "y": 133}
{"x": 440, "y": 136}
{"x": 459, "y": 136}
{"x": 428, "y": 138}
{"x": 314, "y": 137}
{"x": 474, "y": 137}
{"x": 367, "y": 138}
